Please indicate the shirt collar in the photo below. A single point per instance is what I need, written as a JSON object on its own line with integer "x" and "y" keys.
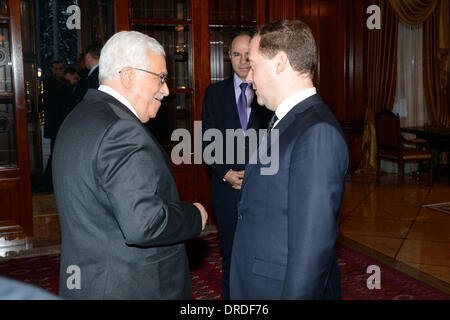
{"x": 293, "y": 100}
{"x": 92, "y": 69}
{"x": 237, "y": 82}
{"x": 118, "y": 96}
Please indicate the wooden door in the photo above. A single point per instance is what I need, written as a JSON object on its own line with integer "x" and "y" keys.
{"x": 16, "y": 221}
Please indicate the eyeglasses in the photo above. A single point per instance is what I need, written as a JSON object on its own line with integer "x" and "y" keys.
{"x": 162, "y": 76}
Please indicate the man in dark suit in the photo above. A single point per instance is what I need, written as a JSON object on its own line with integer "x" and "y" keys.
{"x": 122, "y": 223}
{"x": 90, "y": 79}
{"x": 284, "y": 246}
{"x": 230, "y": 105}
{"x": 56, "y": 92}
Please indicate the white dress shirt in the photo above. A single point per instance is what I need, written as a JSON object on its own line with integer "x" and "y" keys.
{"x": 292, "y": 101}
{"x": 118, "y": 96}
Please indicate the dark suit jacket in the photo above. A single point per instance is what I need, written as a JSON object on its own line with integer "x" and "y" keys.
{"x": 92, "y": 80}
{"x": 284, "y": 246}
{"x": 121, "y": 218}
{"x": 56, "y": 104}
{"x": 220, "y": 112}
{"x": 83, "y": 85}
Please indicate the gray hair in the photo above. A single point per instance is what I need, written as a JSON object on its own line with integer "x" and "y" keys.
{"x": 126, "y": 49}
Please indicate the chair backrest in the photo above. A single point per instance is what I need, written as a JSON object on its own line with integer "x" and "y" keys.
{"x": 387, "y": 126}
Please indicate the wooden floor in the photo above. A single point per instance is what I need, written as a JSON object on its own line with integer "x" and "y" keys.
{"x": 385, "y": 221}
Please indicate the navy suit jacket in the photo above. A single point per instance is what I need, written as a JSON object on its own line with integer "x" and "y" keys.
{"x": 220, "y": 112}
{"x": 284, "y": 246}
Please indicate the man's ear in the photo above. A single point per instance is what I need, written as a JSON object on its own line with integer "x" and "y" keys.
{"x": 281, "y": 61}
{"x": 126, "y": 77}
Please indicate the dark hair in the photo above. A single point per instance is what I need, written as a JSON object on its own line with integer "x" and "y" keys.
{"x": 295, "y": 38}
{"x": 70, "y": 70}
{"x": 57, "y": 62}
{"x": 240, "y": 33}
{"x": 94, "y": 50}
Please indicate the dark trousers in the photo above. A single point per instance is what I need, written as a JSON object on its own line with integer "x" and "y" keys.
{"x": 226, "y": 219}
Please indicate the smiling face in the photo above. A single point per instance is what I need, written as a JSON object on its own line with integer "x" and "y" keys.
{"x": 239, "y": 56}
{"x": 145, "y": 91}
{"x": 261, "y": 76}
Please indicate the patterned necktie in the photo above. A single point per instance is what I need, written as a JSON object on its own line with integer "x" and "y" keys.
{"x": 242, "y": 106}
{"x": 272, "y": 122}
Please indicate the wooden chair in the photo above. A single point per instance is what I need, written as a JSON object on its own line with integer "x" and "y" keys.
{"x": 390, "y": 145}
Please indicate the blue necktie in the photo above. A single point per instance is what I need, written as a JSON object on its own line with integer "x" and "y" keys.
{"x": 242, "y": 106}
{"x": 272, "y": 122}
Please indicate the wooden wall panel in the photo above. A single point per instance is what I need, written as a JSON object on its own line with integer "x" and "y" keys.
{"x": 121, "y": 15}
{"x": 13, "y": 222}
{"x": 356, "y": 66}
{"x": 193, "y": 181}
{"x": 280, "y": 9}
{"x": 261, "y": 10}
{"x": 331, "y": 44}
{"x": 186, "y": 182}
{"x": 9, "y": 200}
{"x": 340, "y": 32}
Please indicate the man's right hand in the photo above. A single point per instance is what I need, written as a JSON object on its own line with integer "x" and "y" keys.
{"x": 203, "y": 213}
{"x": 235, "y": 178}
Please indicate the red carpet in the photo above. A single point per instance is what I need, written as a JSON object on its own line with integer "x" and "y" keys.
{"x": 205, "y": 262}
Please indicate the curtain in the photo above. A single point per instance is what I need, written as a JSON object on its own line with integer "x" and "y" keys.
{"x": 414, "y": 11}
{"x": 382, "y": 67}
{"x": 435, "y": 70}
{"x": 381, "y": 77}
{"x": 410, "y": 99}
{"x": 434, "y": 15}
{"x": 382, "y": 60}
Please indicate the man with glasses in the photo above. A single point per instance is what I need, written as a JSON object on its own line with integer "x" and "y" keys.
{"x": 123, "y": 226}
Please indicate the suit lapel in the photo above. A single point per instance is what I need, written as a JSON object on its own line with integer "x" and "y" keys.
{"x": 295, "y": 111}
{"x": 230, "y": 102}
{"x": 123, "y": 112}
{"x": 284, "y": 123}
{"x": 253, "y": 114}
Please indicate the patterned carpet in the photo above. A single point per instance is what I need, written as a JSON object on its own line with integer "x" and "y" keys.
{"x": 205, "y": 261}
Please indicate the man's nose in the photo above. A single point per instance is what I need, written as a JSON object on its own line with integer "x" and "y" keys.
{"x": 165, "y": 89}
{"x": 249, "y": 77}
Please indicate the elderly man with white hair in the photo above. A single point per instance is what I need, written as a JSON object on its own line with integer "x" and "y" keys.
{"x": 123, "y": 225}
